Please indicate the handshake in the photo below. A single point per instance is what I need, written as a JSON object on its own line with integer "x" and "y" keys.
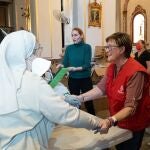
{"x": 73, "y": 100}
{"x": 103, "y": 124}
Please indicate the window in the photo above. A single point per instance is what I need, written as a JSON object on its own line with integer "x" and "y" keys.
{"x": 138, "y": 28}
{"x": 138, "y": 24}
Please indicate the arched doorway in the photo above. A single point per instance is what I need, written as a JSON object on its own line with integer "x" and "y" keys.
{"x": 138, "y": 24}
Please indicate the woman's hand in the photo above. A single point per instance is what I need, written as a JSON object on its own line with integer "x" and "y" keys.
{"x": 59, "y": 66}
{"x": 105, "y": 124}
{"x": 81, "y": 98}
{"x": 71, "y": 68}
{"x": 75, "y": 68}
{"x": 73, "y": 100}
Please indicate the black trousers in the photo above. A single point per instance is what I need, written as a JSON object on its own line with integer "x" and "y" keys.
{"x": 132, "y": 144}
{"x": 78, "y": 86}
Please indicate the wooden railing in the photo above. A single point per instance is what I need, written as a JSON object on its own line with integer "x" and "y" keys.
{"x": 99, "y": 52}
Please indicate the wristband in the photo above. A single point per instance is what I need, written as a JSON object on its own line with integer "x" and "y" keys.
{"x": 113, "y": 121}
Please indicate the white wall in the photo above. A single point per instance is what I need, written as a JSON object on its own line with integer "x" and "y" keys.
{"x": 80, "y": 19}
{"x": 92, "y": 34}
{"x": 48, "y": 28}
{"x": 109, "y": 18}
{"x": 96, "y": 35}
{"x": 68, "y": 12}
{"x": 20, "y": 21}
{"x": 43, "y": 24}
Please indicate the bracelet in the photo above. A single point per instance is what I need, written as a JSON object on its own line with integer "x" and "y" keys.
{"x": 114, "y": 118}
{"x": 113, "y": 121}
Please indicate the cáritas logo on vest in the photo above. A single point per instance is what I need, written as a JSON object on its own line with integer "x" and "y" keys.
{"x": 121, "y": 90}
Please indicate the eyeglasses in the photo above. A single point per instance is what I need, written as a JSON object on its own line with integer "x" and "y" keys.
{"x": 110, "y": 47}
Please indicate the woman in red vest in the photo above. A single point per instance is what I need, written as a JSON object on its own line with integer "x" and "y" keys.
{"x": 127, "y": 88}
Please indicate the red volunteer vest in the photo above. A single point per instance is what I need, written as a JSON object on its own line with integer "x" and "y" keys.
{"x": 116, "y": 92}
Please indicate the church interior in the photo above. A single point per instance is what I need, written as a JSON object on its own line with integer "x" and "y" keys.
{"x": 52, "y": 22}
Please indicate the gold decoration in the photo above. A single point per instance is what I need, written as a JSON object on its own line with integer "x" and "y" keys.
{"x": 26, "y": 14}
{"x": 94, "y": 14}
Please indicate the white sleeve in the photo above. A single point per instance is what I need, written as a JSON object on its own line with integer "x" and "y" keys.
{"x": 56, "y": 110}
{"x": 60, "y": 89}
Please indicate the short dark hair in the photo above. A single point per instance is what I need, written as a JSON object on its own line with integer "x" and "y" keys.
{"x": 122, "y": 40}
{"x": 143, "y": 43}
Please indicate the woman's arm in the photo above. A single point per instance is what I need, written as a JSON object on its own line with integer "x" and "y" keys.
{"x": 56, "y": 110}
{"x": 90, "y": 95}
{"x": 96, "y": 92}
{"x": 87, "y": 57}
{"x": 134, "y": 94}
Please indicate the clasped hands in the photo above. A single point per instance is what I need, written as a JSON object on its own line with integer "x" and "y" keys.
{"x": 72, "y": 100}
{"x": 104, "y": 124}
